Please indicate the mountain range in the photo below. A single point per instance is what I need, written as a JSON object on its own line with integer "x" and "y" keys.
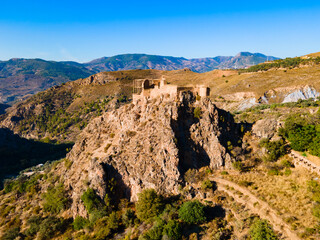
{"x": 23, "y": 77}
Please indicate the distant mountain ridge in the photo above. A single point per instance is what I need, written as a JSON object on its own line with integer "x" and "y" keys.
{"x": 22, "y": 77}
{"x": 144, "y": 61}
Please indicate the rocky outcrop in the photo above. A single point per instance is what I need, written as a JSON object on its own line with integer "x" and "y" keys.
{"x": 265, "y": 128}
{"x": 302, "y": 93}
{"x": 148, "y": 145}
{"x": 241, "y": 101}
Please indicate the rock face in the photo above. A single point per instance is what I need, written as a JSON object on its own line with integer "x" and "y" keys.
{"x": 303, "y": 93}
{"x": 241, "y": 101}
{"x": 265, "y": 128}
{"x": 148, "y": 145}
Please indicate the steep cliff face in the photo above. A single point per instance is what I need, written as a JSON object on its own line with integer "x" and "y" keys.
{"x": 148, "y": 145}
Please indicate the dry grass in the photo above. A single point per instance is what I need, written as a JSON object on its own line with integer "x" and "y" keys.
{"x": 288, "y": 195}
{"x": 312, "y": 55}
{"x": 258, "y": 82}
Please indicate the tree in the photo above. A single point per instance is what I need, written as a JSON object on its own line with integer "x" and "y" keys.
{"x": 192, "y": 212}
{"x": 149, "y": 205}
{"x": 301, "y": 138}
{"x": 261, "y": 230}
{"x": 172, "y": 230}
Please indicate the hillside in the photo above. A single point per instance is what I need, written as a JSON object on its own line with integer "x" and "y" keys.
{"x": 181, "y": 169}
{"x": 20, "y": 78}
{"x": 24, "y": 77}
{"x": 61, "y": 112}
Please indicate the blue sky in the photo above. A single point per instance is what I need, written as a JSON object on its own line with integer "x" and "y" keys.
{"x": 85, "y": 30}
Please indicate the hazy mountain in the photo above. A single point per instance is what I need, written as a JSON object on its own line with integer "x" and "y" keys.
{"x": 22, "y": 77}
{"x": 144, "y": 61}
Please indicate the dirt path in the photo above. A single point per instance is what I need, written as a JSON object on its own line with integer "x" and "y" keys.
{"x": 256, "y": 206}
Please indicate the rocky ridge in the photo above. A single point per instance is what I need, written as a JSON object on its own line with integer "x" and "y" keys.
{"x": 148, "y": 145}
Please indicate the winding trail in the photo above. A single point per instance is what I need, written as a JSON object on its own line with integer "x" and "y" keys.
{"x": 256, "y": 206}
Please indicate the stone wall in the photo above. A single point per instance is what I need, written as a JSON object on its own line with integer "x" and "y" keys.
{"x": 299, "y": 160}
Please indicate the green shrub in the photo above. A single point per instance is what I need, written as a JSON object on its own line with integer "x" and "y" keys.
{"x": 22, "y": 184}
{"x": 207, "y": 185}
{"x": 197, "y": 112}
{"x": 55, "y": 199}
{"x": 238, "y": 166}
{"x": 287, "y": 172}
{"x": 155, "y": 233}
{"x": 172, "y": 230}
{"x": 91, "y": 201}
{"x": 149, "y": 205}
{"x": 79, "y": 223}
{"x": 51, "y": 227}
{"x": 274, "y": 172}
{"x": 262, "y": 230}
{"x": 276, "y": 149}
{"x": 34, "y": 225}
{"x": 67, "y": 163}
{"x": 11, "y": 234}
{"x": 286, "y": 163}
{"x": 316, "y": 211}
{"x": 128, "y": 217}
{"x": 105, "y": 226}
{"x": 301, "y": 137}
{"x": 245, "y": 183}
{"x": 192, "y": 212}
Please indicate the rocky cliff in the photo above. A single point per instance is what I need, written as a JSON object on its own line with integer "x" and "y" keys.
{"x": 148, "y": 145}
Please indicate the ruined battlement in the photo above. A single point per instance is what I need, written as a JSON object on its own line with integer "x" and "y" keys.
{"x": 150, "y": 89}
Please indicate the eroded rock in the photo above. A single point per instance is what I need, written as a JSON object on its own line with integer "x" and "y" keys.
{"x": 148, "y": 145}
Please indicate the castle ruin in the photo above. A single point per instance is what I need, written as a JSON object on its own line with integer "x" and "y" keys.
{"x": 150, "y": 89}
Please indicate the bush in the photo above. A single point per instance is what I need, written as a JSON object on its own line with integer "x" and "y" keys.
{"x": 90, "y": 200}
{"x": 276, "y": 149}
{"x": 55, "y": 199}
{"x": 192, "y": 212}
{"x": 11, "y": 233}
{"x": 149, "y": 205}
{"x": 274, "y": 172}
{"x": 207, "y": 185}
{"x": 105, "y": 226}
{"x": 286, "y": 163}
{"x": 128, "y": 217}
{"x": 287, "y": 172}
{"x": 67, "y": 163}
{"x": 155, "y": 233}
{"x": 172, "y": 230}
{"x": 50, "y": 227}
{"x": 34, "y": 225}
{"x": 197, "y": 112}
{"x": 316, "y": 211}
{"x": 301, "y": 137}
{"x": 262, "y": 230}
{"x": 79, "y": 223}
{"x": 238, "y": 166}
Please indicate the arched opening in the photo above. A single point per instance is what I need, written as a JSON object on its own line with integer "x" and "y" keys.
{"x": 146, "y": 84}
